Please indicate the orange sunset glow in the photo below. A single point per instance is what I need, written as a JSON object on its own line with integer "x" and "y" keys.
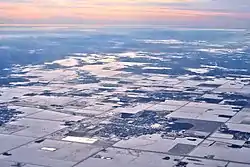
{"x": 117, "y": 11}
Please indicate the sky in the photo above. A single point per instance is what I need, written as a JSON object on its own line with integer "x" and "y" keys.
{"x": 186, "y": 13}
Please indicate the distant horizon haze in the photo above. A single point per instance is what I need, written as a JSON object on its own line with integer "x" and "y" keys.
{"x": 177, "y": 13}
